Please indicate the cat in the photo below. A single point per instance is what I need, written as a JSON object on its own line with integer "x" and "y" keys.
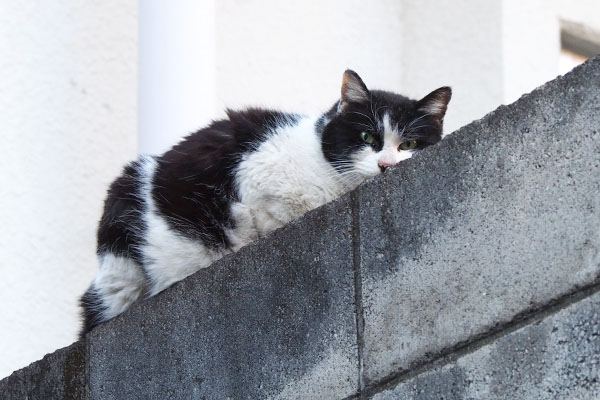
{"x": 240, "y": 178}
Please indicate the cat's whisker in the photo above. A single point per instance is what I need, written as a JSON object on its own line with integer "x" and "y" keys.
{"x": 414, "y": 121}
{"x": 365, "y": 125}
{"x": 372, "y": 112}
{"x": 364, "y": 115}
{"x": 414, "y": 130}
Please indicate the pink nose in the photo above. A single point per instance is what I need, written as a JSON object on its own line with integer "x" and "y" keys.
{"x": 384, "y": 164}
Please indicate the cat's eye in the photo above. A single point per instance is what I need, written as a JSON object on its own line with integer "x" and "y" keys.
{"x": 367, "y": 137}
{"x": 408, "y": 145}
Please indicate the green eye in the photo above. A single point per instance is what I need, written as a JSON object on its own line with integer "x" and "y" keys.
{"x": 367, "y": 137}
{"x": 410, "y": 145}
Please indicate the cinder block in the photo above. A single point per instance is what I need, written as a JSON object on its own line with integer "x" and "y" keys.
{"x": 274, "y": 320}
{"x": 557, "y": 358}
{"x": 499, "y": 219}
{"x": 60, "y": 375}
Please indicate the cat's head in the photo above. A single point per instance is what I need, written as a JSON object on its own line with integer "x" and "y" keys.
{"x": 369, "y": 130}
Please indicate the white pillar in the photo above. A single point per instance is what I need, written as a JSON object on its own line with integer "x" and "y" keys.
{"x": 177, "y": 68}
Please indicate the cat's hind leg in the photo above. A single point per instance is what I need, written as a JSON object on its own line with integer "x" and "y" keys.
{"x": 119, "y": 283}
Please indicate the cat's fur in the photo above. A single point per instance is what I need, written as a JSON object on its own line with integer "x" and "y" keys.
{"x": 240, "y": 178}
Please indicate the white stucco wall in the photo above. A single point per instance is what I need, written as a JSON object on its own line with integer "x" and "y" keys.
{"x": 176, "y": 71}
{"x": 586, "y": 12}
{"x": 68, "y": 118}
{"x": 530, "y": 46}
{"x": 292, "y": 54}
{"x": 456, "y": 43}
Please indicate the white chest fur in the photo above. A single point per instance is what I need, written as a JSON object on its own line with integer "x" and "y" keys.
{"x": 284, "y": 178}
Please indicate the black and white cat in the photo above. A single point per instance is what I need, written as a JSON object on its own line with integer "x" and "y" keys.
{"x": 240, "y": 178}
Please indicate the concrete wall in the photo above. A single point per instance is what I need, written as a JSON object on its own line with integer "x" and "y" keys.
{"x": 68, "y": 117}
{"x": 470, "y": 271}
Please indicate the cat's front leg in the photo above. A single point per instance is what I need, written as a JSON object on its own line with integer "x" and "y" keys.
{"x": 243, "y": 229}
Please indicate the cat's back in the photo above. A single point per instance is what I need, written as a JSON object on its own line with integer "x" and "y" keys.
{"x": 191, "y": 187}
{"x": 195, "y": 183}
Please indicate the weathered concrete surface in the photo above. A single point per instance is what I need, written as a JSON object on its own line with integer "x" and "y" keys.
{"x": 274, "y": 320}
{"x": 557, "y": 358}
{"x": 497, "y": 220}
{"x": 60, "y": 375}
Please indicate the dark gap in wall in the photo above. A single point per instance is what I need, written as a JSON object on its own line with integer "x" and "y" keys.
{"x": 360, "y": 319}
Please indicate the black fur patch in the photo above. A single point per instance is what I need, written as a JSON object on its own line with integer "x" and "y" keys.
{"x": 121, "y": 227}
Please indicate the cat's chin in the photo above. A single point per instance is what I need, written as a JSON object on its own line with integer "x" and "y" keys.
{"x": 372, "y": 174}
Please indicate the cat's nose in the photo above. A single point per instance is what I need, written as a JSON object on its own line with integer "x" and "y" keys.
{"x": 384, "y": 165}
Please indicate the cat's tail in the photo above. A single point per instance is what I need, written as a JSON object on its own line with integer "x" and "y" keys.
{"x": 92, "y": 310}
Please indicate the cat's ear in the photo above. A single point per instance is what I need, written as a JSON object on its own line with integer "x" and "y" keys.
{"x": 435, "y": 103}
{"x": 354, "y": 90}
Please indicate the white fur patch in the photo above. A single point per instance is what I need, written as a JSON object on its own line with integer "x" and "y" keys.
{"x": 365, "y": 161}
{"x": 391, "y": 136}
{"x": 285, "y": 177}
{"x": 390, "y": 154}
{"x": 119, "y": 282}
{"x": 168, "y": 256}
{"x": 245, "y": 228}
